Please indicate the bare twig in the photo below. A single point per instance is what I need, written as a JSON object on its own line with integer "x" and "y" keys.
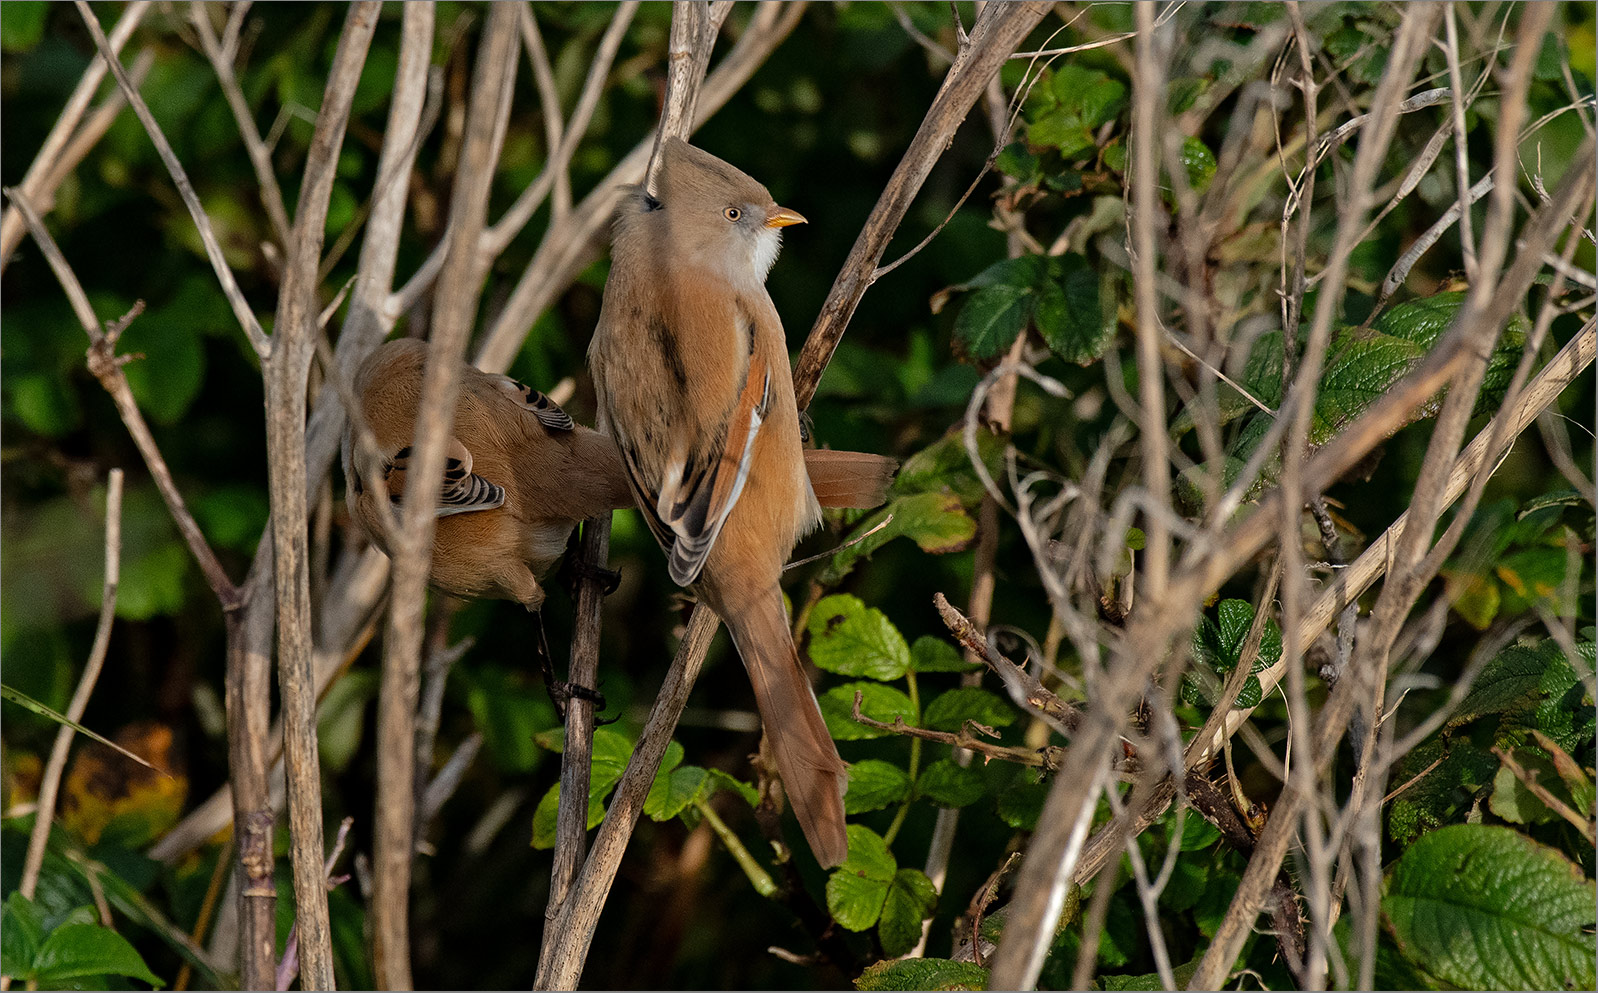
{"x": 36, "y": 183}
{"x": 569, "y": 247}
{"x": 454, "y": 312}
{"x": 999, "y": 30}
{"x": 286, "y": 372}
{"x": 50, "y": 782}
{"x": 557, "y": 170}
{"x": 1148, "y": 87}
{"x": 213, "y": 248}
{"x": 1025, "y": 688}
{"x": 571, "y": 825}
{"x": 106, "y": 366}
{"x": 561, "y": 966}
{"x": 260, "y": 156}
{"x": 289, "y": 968}
{"x": 1046, "y": 758}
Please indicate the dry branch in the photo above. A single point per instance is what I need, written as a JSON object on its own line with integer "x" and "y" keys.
{"x": 50, "y": 782}
{"x": 999, "y": 30}
{"x": 286, "y": 371}
{"x": 454, "y": 311}
{"x": 213, "y": 248}
{"x": 45, "y": 174}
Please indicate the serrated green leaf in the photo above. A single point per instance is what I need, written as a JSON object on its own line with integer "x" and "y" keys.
{"x": 873, "y": 785}
{"x": 923, "y": 974}
{"x": 851, "y": 639}
{"x": 1018, "y": 161}
{"x": 1485, "y": 908}
{"x": 932, "y": 654}
{"x": 854, "y": 901}
{"x": 669, "y": 795}
{"x": 1070, "y": 313}
{"x": 1152, "y": 981}
{"x": 858, "y": 888}
{"x": 937, "y": 522}
{"x": 949, "y": 784}
{"x": 611, "y": 752}
{"x": 1513, "y": 680}
{"x": 949, "y": 710}
{"x": 992, "y": 318}
{"x": 911, "y": 900}
{"x": 878, "y": 702}
{"x": 75, "y": 951}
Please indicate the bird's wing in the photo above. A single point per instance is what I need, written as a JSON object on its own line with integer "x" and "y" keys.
{"x": 540, "y": 406}
{"x": 699, "y": 491}
{"x": 464, "y": 491}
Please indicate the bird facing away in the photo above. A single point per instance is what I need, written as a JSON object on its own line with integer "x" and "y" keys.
{"x": 520, "y": 475}
{"x": 691, "y": 369}
{"x": 518, "y": 478}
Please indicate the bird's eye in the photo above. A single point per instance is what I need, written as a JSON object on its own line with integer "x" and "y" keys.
{"x": 732, "y": 214}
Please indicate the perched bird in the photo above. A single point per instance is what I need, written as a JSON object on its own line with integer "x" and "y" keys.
{"x": 691, "y": 368}
{"x": 518, "y": 478}
{"x": 520, "y": 475}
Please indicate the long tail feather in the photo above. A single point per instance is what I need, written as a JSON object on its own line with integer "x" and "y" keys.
{"x": 849, "y": 479}
{"x": 813, "y": 776}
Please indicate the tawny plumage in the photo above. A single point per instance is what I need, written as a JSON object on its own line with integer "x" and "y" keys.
{"x": 521, "y": 475}
{"x": 691, "y": 368}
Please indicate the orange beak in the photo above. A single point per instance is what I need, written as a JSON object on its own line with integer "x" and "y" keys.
{"x": 781, "y": 217}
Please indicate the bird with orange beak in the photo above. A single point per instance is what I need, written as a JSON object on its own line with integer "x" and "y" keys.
{"x": 690, "y": 365}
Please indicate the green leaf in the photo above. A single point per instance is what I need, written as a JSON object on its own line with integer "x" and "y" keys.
{"x": 878, "y": 702}
{"x": 851, "y": 639}
{"x": 611, "y": 752}
{"x": 1018, "y": 161}
{"x": 548, "y": 811}
{"x": 21, "y": 934}
{"x": 873, "y": 785}
{"x": 931, "y": 654}
{"x": 1485, "y": 908}
{"x": 858, "y": 888}
{"x": 1514, "y": 801}
{"x": 949, "y": 710}
{"x": 911, "y": 900}
{"x": 948, "y": 784}
{"x": 78, "y": 950}
{"x": 1071, "y": 315}
{"x": 937, "y": 522}
{"x": 749, "y": 793}
{"x": 992, "y": 318}
{"x": 1514, "y": 681}
{"x": 671, "y": 794}
{"x": 27, "y": 702}
{"x": 1181, "y": 973}
{"x": 1021, "y": 804}
{"x": 1199, "y": 162}
{"x": 922, "y": 974}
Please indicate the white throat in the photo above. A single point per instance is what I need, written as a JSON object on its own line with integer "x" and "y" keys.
{"x": 768, "y": 242}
